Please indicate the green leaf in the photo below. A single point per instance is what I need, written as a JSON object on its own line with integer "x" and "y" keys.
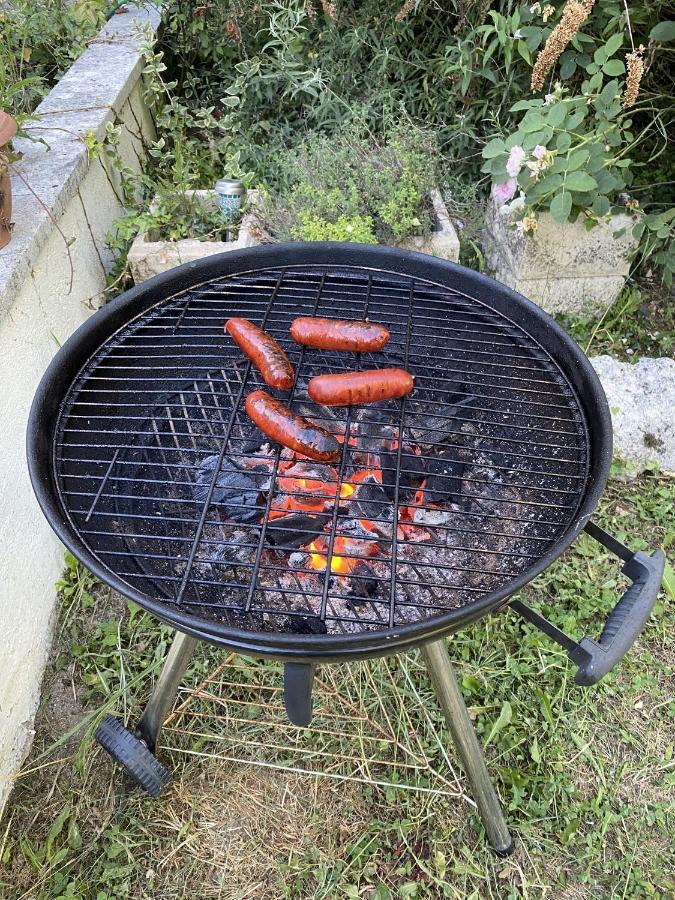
{"x": 493, "y": 148}
{"x": 563, "y": 141}
{"x": 576, "y": 159}
{"x": 669, "y": 580}
{"x": 663, "y": 32}
{"x": 556, "y": 114}
{"x": 521, "y": 47}
{"x": 561, "y": 206}
{"x": 502, "y": 721}
{"x": 567, "y": 66}
{"x": 580, "y": 181}
{"x": 569, "y": 831}
{"x": 614, "y": 67}
{"x": 607, "y": 94}
{"x": 601, "y": 205}
{"x": 532, "y": 122}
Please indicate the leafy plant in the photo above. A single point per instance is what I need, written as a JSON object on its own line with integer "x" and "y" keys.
{"x": 38, "y": 42}
{"x": 379, "y": 186}
{"x": 572, "y": 152}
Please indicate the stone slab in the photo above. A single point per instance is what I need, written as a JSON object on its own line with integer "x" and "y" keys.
{"x": 46, "y": 178}
{"x": 641, "y": 398}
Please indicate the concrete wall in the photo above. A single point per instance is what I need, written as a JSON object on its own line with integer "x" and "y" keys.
{"x": 47, "y": 289}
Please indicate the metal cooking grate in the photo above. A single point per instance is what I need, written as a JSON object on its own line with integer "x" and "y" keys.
{"x": 164, "y": 396}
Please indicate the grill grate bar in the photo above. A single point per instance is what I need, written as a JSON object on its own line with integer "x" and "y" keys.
{"x": 217, "y": 358}
{"x": 101, "y": 486}
{"x": 216, "y": 471}
{"x": 275, "y": 469}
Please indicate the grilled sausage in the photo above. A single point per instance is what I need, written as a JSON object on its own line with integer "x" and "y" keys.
{"x": 338, "y": 334}
{"x": 263, "y": 351}
{"x": 283, "y": 426}
{"x": 352, "y": 388}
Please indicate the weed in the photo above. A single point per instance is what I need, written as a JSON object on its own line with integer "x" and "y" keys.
{"x": 586, "y": 775}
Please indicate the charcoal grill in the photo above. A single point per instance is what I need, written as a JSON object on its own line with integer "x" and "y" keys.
{"x": 441, "y": 506}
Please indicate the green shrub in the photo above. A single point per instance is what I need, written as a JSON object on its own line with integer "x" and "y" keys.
{"x": 38, "y": 42}
{"x": 353, "y": 177}
{"x": 345, "y": 228}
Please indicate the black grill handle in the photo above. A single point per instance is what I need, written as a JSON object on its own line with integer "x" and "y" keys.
{"x": 625, "y": 622}
{"x": 595, "y": 659}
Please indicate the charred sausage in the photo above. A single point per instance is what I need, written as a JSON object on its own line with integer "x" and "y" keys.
{"x": 263, "y": 351}
{"x": 283, "y": 426}
{"x": 339, "y": 334}
{"x": 352, "y": 388}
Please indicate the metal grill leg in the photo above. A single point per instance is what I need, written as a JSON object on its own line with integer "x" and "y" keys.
{"x": 165, "y": 691}
{"x": 473, "y": 762}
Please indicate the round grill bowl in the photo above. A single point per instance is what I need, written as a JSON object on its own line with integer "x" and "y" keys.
{"x": 535, "y": 393}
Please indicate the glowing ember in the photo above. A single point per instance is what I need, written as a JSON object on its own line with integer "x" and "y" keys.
{"x": 341, "y": 562}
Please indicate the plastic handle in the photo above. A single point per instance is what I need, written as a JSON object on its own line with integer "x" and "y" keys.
{"x": 625, "y": 622}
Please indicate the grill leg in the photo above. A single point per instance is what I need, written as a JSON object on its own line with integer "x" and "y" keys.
{"x": 156, "y": 711}
{"x": 473, "y": 762}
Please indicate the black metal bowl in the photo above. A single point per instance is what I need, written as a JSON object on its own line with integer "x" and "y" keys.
{"x": 107, "y": 325}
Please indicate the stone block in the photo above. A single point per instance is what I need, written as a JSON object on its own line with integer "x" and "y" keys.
{"x": 641, "y": 398}
{"x": 443, "y": 241}
{"x": 563, "y": 268}
{"x": 149, "y": 257}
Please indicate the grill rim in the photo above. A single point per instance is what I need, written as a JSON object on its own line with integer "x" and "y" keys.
{"x": 77, "y": 351}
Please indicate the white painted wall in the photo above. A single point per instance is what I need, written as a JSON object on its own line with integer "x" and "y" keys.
{"x": 41, "y": 303}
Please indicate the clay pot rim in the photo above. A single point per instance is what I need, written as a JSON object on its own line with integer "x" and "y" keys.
{"x": 7, "y": 128}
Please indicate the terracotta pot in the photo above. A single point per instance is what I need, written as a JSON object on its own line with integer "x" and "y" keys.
{"x": 7, "y": 132}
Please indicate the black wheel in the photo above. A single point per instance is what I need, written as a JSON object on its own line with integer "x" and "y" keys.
{"x": 132, "y": 754}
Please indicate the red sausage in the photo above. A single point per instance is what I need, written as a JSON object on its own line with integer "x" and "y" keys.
{"x": 338, "y": 334}
{"x": 352, "y": 388}
{"x": 283, "y": 426}
{"x": 263, "y": 351}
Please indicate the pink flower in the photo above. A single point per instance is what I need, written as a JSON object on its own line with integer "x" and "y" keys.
{"x": 539, "y": 152}
{"x": 515, "y": 161}
{"x": 504, "y": 191}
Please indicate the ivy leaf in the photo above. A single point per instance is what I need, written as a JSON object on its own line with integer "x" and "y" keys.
{"x": 663, "y": 32}
{"x": 561, "y": 206}
{"x": 580, "y": 181}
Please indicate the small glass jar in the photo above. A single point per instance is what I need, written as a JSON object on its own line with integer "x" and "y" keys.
{"x": 231, "y": 194}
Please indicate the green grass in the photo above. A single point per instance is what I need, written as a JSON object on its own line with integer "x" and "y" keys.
{"x": 587, "y": 776}
{"x": 641, "y": 322}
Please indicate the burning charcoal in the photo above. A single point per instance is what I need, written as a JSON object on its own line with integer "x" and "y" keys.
{"x": 411, "y": 476}
{"x": 254, "y": 442}
{"x": 295, "y": 530}
{"x": 306, "y": 625}
{"x": 444, "y": 481}
{"x": 363, "y": 588}
{"x": 236, "y": 492}
{"x": 373, "y": 504}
